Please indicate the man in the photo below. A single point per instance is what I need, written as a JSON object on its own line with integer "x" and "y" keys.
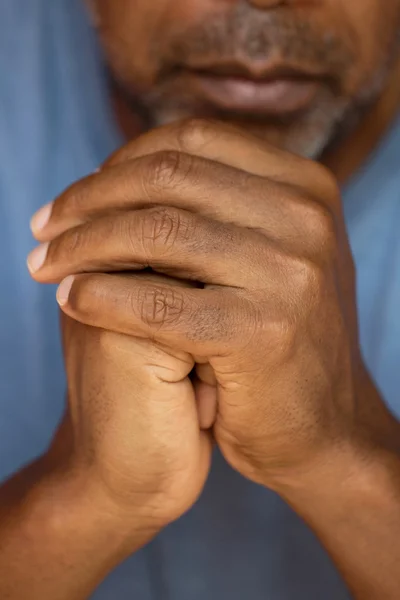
{"x": 209, "y": 306}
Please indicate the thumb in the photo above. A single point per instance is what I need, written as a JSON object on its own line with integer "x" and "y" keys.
{"x": 205, "y": 388}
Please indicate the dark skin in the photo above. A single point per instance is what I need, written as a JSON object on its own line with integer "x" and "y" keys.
{"x": 251, "y": 284}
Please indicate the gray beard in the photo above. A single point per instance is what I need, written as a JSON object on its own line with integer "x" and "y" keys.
{"x": 330, "y": 121}
{"x": 325, "y": 126}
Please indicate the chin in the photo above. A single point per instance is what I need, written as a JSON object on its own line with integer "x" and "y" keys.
{"x": 305, "y": 137}
{"x": 307, "y": 133}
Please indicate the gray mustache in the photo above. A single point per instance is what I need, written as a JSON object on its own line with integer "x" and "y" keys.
{"x": 255, "y": 35}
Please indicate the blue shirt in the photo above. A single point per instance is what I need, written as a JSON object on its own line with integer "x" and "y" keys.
{"x": 240, "y": 540}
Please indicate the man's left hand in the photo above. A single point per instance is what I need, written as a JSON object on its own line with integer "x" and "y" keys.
{"x": 271, "y": 321}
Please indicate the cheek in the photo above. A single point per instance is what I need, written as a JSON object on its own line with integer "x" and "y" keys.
{"x": 128, "y": 29}
{"x": 373, "y": 26}
{"x": 189, "y": 12}
{"x": 135, "y": 33}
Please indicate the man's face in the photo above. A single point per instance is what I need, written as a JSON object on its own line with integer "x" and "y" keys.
{"x": 299, "y": 73}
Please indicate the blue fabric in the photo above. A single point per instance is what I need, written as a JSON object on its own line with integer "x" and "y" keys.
{"x": 240, "y": 541}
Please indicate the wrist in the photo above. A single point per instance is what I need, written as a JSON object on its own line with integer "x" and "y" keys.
{"x": 71, "y": 505}
{"x": 68, "y": 540}
{"x": 368, "y": 453}
{"x": 76, "y": 486}
{"x": 344, "y": 480}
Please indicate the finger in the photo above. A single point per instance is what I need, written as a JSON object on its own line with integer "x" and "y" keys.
{"x": 206, "y": 400}
{"x": 168, "y": 240}
{"x": 234, "y": 146}
{"x": 220, "y": 142}
{"x": 156, "y": 356}
{"x": 205, "y": 387}
{"x": 215, "y": 191}
{"x": 164, "y": 178}
{"x": 201, "y": 322}
{"x": 205, "y": 373}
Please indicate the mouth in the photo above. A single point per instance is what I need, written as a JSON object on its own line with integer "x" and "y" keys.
{"x": 269, "y": 90}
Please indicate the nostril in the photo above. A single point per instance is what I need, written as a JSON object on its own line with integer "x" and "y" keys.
{"x": 268, "y": 3}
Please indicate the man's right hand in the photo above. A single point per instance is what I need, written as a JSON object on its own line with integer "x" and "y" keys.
{"x": 129, "y": 458}
{"x": 134, "y": 426}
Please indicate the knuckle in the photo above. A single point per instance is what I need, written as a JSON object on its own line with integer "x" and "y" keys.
{"x": 324, "y": 183}
{"x": 68, "y": 244}
{"x": 160, "y": 228}
{"x": 84, "y": 295}
{"x": 75, "y": 240}
{"x": 165, "y": 169}
{"x": 160, "y": 307}
{"x": 75, "y": 199}
{"x": 195, "y": 133}
{"x": 320, "y": 228}
{"x": 307, "y": 279}
{"x": 328, "y": 184}
{"x": 281, "y": 336}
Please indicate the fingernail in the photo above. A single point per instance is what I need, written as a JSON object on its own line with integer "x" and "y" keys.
{"x": 41, "y": 217}
{"x": 37, "y": 257}
{"x": 64, "y": 289}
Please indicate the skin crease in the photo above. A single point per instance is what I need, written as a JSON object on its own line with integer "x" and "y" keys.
{"x": 201, "y": 245}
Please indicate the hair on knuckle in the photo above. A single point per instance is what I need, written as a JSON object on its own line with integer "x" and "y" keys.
{"x": 210, "y": 324}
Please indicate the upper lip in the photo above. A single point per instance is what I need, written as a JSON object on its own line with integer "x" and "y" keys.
{"x": 256, "y": 72}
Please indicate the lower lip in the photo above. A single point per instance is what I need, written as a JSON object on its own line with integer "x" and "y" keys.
{"x": 276, "y": 97}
